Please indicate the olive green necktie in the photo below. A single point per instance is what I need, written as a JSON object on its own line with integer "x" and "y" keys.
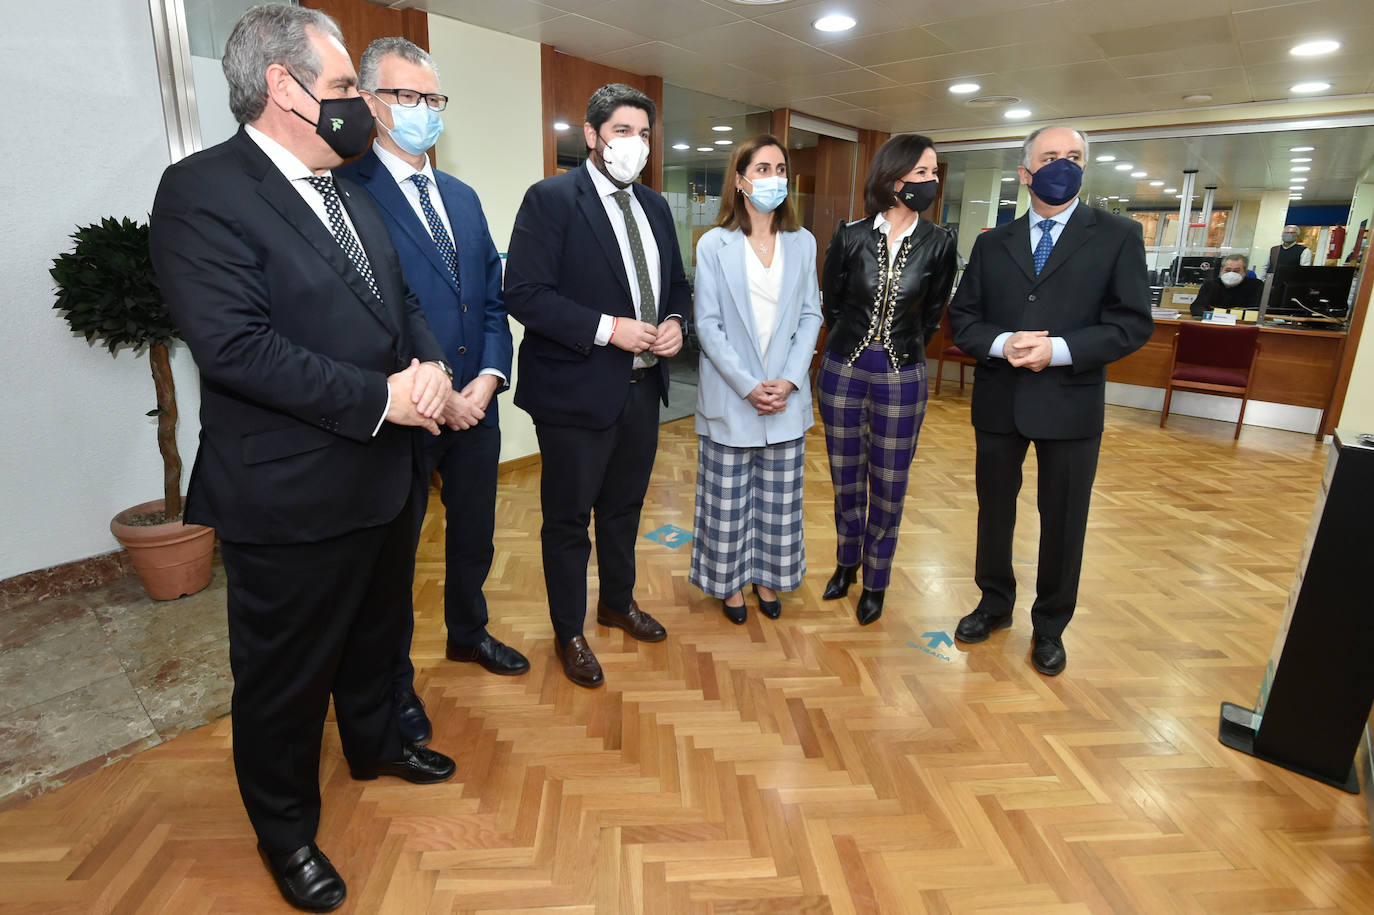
{"x": 648, "y": 312}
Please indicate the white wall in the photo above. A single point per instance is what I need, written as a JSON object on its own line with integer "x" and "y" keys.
{"x": 493, "y": 140}
{"x": 89, "y": 142}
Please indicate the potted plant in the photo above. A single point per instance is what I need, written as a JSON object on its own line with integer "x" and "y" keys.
{"x": 107, "y": 291}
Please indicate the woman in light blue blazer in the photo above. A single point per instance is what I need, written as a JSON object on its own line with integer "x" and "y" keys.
{"x": 757, "y": 314}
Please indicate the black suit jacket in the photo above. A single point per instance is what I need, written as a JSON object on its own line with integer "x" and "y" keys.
{"x": 292, "y": 346}
{"x": 563, "y": 271}
{"x": 1093, "y": 292}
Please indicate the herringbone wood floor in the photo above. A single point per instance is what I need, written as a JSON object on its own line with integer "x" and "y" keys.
{"x": 808, "y": 764}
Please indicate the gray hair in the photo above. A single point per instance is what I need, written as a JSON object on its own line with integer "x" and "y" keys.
{"x": 271, "y": 34}
{"x": 1244, "y": 261}
{"x": 1030, "y": 141}
{"x": 401, "y": 47}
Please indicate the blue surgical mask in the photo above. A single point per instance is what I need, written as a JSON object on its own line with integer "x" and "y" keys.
{"x": 768, "y": 193}
{"x": 1057, "y": 181}
{"x": 415, "y": 129}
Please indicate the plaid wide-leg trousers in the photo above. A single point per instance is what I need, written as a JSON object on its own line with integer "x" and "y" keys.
{"x": 872, "y": 418}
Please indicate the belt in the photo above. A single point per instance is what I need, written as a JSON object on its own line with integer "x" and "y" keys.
{"x": 638, "y": 375}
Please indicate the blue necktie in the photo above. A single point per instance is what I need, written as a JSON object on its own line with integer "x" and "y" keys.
{"x": 436, "y": 226}
{"x": 1044, "y": 246}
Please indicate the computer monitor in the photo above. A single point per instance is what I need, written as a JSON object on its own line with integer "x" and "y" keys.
{"x": 1194, "y": 271}
{"x": 1308, "y": 292}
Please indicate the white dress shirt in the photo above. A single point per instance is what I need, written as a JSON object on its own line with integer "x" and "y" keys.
{"x": 893, "y": 244}
{"x": 1059, "y": 347}
{"x": 605, "y": 188}
{"x": 296, "y": 172}
{"x": 765, "y": 288}
{"x": 401, "y": 170}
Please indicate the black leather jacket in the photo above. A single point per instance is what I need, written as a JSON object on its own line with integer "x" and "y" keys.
{"x": 860, "y": 304}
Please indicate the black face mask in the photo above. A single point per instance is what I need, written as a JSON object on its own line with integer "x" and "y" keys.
{"x": 345, "y": 123}
{"x": 918, "y": 195}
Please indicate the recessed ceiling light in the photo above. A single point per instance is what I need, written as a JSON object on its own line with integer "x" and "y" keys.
{"x": 1171, "y": 190}
{"x": 1123, "y": 166}
{"x": 681, "y": 146}
{"x": 1106, "y": 158}
{"x": 835, "y": 22}
{"x": 1302, "y": 149}
{"x": 1008, "y": 178}
{"x": 1178, "y": 196}
{"x": 1138, "y": 174}
{"x": 560, "y": 126}
{"x": 706, "y": 149}
{"x": 1301, "y": 168}
{"x": 1309, "y": 88}
{"x": 1295, "y": 196}
{"x": 722, "y": 128}
{"x": 1301, "y": 159}
{"x": 1125, "y": 200}
{"x": 1313, "y": 48}
{"x": 1156, "y": 184}
{"x": 725, "y": 142}
{"x": 964, "y": 88}
{"x": 1198, "y": 97}
{"x": 1298, "y": 179}
{"x": 1016, "y": 114}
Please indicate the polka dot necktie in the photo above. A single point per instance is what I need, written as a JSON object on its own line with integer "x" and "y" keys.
{"x": 346, "y": 239}
{"x": 648, "y": 311}
{"x": 1045, "y": 245}
{"x": 436, "y": 226}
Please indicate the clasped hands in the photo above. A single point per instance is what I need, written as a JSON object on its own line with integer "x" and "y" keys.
{"x": 771, "y": 396}
{"x": 422, "y": 395}
{"x": 636, "y": 336}
{"x": 1029, "y": 349}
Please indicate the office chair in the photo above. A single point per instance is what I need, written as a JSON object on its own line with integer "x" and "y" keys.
{"x": 1213, "y": 360}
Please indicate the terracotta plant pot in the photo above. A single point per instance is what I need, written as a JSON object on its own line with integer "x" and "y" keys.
{"x": 172, "y": 559}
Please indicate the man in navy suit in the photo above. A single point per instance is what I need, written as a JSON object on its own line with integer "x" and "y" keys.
{"x": 291, "y": 299}
{"x": 595, "y": 275}
{"x": 451, "y": 264}
{"x": 1046, "y": 302}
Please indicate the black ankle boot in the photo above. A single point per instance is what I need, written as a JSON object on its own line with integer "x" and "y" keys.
{"x": 838, "y": 585}
{"x": 870, "y": 606}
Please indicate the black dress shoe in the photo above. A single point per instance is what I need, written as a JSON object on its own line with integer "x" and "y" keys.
{"x": 411, "y": 719}
{"x": 870, "y": 606}
{"x": 493, "y": 654}
{"x": 838, "y": 585}
{"x": 769, "y": 608}
{"x": 736, "y": 615}
{"x": 306, "y": 879}
{"x": 978, "y": 625}
{"x": 416, "y": 765}
{"x": 1047, "y": 655}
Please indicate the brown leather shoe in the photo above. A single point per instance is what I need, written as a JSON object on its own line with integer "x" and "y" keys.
{"x": 579, "y": 663}
{"x": 634, "y": 621}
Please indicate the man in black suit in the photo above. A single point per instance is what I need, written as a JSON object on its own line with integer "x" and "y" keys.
{"x": 1046, "y": 302}
{"x": 290, "y": 296}
{"x": 594, "y": 274}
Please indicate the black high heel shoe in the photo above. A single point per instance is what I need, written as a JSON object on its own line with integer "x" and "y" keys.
{"x": 838, "y": 585}
{"x": 870, "y": 606}
{"x": 769, "y": 608}
{"x": 736, "y": 615}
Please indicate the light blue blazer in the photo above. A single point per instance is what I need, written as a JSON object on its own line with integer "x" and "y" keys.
{"x": 731, "y": 363}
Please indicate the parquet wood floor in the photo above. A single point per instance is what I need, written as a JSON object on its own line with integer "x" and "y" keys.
{"x": 807, "y": 764}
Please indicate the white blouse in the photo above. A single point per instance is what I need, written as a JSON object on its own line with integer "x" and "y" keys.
{"x": 765, "y": 288}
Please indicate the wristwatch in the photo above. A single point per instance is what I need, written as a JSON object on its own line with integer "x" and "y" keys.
{"x": 448, "y": 369}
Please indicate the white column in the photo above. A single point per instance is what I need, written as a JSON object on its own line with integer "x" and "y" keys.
{"x": 1022, "y": 199}
{"x": 978, "y": 207}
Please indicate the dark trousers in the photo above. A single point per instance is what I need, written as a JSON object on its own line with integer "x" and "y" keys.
{"x": 606, "y": 470}
{"x": 1066, "y": 468}
{"x": 467, "y": 461}
{"x": 305, "y": 621}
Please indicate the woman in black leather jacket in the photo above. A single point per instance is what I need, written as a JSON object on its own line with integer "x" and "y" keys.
{"x": 885, "y": 283}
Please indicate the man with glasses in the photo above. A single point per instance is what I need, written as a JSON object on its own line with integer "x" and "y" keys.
{"x": 451, "y": 264}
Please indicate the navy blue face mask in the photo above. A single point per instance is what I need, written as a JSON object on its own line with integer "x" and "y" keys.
{"x": 1057, "y": 181}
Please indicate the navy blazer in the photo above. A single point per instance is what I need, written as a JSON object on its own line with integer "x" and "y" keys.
{"x": 1093, "y": 292}
{"x": 468, "y": 318}
{"x": 293, "y": 350}
{"x": 563, "y": 271}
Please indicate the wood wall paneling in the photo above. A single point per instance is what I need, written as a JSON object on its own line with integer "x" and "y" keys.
{"x": 362, "y": 23}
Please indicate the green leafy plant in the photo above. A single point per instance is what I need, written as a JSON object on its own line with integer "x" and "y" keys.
{"x": 108, "y": 292}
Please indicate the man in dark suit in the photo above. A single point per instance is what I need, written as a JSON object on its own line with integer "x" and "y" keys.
{"x": 289, "y": 294}
{"x": 1045, "y": 303}
{"x": 1230, "y": 288}
{"x": 594, "y": 274}
{"x": 451, "y": 264}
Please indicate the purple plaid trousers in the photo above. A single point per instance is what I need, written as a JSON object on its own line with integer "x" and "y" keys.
{"x": 872, "y": 417}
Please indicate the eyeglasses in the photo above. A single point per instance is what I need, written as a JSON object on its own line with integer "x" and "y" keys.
{"x": 410, "y": 98}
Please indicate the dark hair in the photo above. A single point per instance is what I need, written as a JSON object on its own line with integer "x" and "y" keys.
{"x": 894, "y": 159}
{"x": 611, "y": 96}
{"x": 733, "y": 212}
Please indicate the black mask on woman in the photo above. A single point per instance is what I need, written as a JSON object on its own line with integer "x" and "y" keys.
{"x": 345, "y": 123}
{"x": 918, "y": 195}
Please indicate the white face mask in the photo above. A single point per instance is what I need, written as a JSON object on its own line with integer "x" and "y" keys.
{"x": 625, "y": 158}
{"x": 1231, "y": 279}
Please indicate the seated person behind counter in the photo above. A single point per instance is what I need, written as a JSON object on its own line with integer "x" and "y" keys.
{"x": 1231, "y": 288}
